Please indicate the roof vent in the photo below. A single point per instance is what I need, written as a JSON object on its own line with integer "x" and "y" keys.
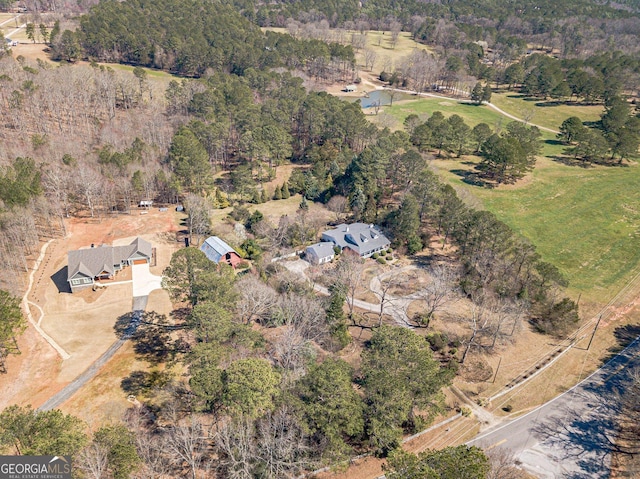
{"x": 346, "y": 229}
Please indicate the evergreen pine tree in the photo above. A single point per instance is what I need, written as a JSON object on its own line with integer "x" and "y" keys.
{"x": 304, "y": 206}
{"x": 336, "y": 317}
{"x": 486, "y": 93}
{"x": 277, "y": 195}
{"x": 476, "y": 94}
{"x": 285, "y": 191}
{"x": 265, "y": 196}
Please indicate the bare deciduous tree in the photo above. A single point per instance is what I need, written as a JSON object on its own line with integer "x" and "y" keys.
{"x": 349, "y": 273}
{"x": 440, "y": 291}
{"x": 383, "y": 292}
{"x": 89, "y": 184}
{"x": 503, "y": 465}
{"x": 338, "y": 206}
{"x": 370, "y": 57}
{"x": 198, "y": 219}
{"x": 282, "y": 445}
{"x": 93, "y": 461}
{"x": 256, "y": 299}
{"x": 187, "y": 442}
{"x": 236, "y": 446}
{"x": 395, "y": 28}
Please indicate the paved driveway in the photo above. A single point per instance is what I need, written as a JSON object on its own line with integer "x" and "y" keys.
{"x": 143, "y": 281}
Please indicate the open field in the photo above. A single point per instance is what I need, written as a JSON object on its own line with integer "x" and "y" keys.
{"x": 545, "y": 114}
{"x": 424, "y": 107}
{"x": 378, "y": 41}
{"x": 586, "y": 221}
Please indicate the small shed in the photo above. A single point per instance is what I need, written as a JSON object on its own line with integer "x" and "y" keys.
{"x": 145, "y": 204}
{"x": 320, "y": 253}
{"x": 218, "y": 251}
{"x": 350, "y": 88}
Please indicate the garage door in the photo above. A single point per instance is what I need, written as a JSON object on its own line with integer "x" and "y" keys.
{"x": 139, "y": 261}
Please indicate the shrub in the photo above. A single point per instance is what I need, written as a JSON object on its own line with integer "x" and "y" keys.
{"x": 437, "y": 340}
{"x": 383, "y": 253}
{"x": 375, "y": 256}
{"x": 243, "y": 265}
{"x": 240, "y": 213}
{"x": 381, "y": 261}
{"x": 507, "y": 408}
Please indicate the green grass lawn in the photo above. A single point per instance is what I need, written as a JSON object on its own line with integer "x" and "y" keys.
{"x": 585, "y": 221}
{"x": 425, "y": 106}
{"x": 544, "y": 113}
{"x": 472, "y": 115}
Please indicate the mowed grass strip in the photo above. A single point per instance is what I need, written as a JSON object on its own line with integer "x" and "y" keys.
{"x": 544, "y": 113}
{"x": 585, "y": 221}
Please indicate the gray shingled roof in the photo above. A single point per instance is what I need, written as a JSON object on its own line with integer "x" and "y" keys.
{"x": 359, "y": 237}
{"x": 322, "y": 250}
{"x": 91, "y": 262}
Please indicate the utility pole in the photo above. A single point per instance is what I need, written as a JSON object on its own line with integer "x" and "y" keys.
{"x": 497, "y": 369}
{"x": 594, "y": 332}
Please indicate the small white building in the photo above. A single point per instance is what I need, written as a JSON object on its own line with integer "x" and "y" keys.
{"x": 320, "y": 253}
{"x": 350, "y": 88}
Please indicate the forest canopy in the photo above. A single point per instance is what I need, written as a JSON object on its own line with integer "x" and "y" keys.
{"x": 188, "y": 38}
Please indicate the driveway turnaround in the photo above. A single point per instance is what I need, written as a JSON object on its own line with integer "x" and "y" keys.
{"x": 143, "y": 281}
{"x": 573, "y": 435}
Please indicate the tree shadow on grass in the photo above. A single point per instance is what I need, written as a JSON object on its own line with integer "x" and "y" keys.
{"x": 472, "y": 178}
{"x": 59, "y": 278}
{"x": 150, "y": 333}
{"x": 141, "y": 382}
{"x": 569, "y": 161}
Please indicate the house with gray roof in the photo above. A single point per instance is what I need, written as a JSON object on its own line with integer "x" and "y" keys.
{"x": 218, "y": 250}
{"x": 363, "y": 239}
{"x": 320, "y": 253}
{"x": 88, "y": 265}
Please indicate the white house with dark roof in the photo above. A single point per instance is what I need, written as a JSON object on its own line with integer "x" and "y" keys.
{"x": 88, "y": 265}
{"x": 363, "y": 239}
{"x": 218, "y": 250}
{"x": 320, "y": 253}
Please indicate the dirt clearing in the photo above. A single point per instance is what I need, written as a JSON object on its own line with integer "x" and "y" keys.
{"x": 82, "y": 324}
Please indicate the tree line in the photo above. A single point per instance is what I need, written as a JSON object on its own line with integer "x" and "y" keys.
{"x": 169, "y": 35}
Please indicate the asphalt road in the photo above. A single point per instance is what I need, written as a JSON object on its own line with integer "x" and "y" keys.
{"x": 572, "y": 435}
